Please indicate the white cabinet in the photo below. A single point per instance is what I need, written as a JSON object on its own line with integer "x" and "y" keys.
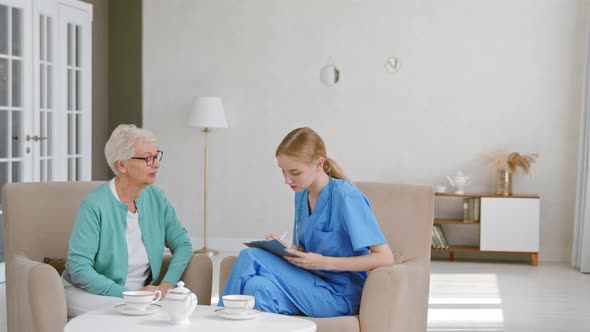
{"x": 509, "y": 224}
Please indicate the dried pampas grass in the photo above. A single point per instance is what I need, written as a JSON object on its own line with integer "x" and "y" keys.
{"x": 498, "y": 159}
{"x": 512, "y": 161}
{"x": 522, "y": 161}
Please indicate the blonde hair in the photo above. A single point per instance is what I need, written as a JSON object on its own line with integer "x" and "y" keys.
{"x": 305, "y": 145}
{"x": 121, "y": 144}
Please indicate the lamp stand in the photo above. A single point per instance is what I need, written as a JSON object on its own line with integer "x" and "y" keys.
{"x": 205, "y": 250}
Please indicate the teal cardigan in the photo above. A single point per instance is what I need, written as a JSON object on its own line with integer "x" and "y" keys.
{"x": 97, "y": 255}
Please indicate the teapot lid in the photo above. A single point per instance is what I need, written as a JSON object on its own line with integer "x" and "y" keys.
{"x": 461, "y": 175}
{"x": 179, "y": 292}
{"x": 180, "y": 289}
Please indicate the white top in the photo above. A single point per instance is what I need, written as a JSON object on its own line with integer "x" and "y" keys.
{"x": 138, "y": 266}
{"x": 203, "y": 319}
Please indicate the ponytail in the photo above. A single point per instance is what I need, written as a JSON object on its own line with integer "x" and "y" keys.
{"x": 332, "y": 168}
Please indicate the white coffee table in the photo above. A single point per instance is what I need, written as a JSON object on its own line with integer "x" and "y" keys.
{"x": 203, "y": 318}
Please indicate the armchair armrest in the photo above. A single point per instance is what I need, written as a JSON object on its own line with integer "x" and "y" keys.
{"x": 225, "y": 269}
{"x": 197, "y": 276}
{"x": 394, "y": 292}
{"x": 35, "y": 297}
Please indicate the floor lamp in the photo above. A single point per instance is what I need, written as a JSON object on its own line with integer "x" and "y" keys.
{"x": 207, "y": 112}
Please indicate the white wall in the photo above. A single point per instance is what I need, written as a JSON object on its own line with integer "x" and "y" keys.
{"x": 476, "y": 76}
{"x": 100, "y": 87}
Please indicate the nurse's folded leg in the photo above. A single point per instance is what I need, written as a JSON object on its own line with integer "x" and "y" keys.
{"x": 269, "y": 298}
{"x": 300, "y": 289}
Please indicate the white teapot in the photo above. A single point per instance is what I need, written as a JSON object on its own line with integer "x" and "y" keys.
{"x": 459, "y": 181}
{"x": 180, "y": 303}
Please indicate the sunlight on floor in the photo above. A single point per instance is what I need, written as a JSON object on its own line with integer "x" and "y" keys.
{"x": 464, "y": 302}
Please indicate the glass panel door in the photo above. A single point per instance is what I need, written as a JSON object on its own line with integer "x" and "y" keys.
{"x": 46, "y": 138}
{"x": 73, "y": 110}
{"x": 15, "y": 108}
{"x": 11, "y": 98}
{"x": 77, "y": 33}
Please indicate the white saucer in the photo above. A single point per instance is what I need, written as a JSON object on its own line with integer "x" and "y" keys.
{"x": 250, "y": 314}
{"x": 151, "y": 309}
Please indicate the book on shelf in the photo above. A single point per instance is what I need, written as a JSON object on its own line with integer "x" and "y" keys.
{"x": 465, "y": 209}
{"x": 476, "y": 207}
{"x": 436, "y": 242}
{"x": 471, "y": 209}
{"x": 438, "y": 238}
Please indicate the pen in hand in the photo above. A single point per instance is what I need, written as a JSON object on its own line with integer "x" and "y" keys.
{"x": 283, "y": 236}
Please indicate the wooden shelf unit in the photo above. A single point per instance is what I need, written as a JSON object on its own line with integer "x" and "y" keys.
{"x": 496, "y": 235}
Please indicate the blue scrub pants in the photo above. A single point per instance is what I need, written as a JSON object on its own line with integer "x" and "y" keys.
{"x": 283, "y": 288}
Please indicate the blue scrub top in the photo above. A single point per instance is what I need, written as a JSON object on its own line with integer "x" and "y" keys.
{"x": 342, "y": 225}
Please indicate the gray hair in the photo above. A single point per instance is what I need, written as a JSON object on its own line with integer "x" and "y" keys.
{"x": 120, "y": 145}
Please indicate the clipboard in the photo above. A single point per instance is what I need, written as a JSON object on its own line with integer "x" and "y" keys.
{"x": 277, "y": 248}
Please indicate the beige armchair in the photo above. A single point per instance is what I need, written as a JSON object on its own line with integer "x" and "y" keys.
{"x": 38, "y": 218}
{"x": 395, "y": 298}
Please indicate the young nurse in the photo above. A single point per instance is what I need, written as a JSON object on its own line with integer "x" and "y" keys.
{"x": 334, "y": 232}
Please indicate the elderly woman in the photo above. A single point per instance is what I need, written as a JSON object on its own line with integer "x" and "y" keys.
{"x": 118, "y": 240}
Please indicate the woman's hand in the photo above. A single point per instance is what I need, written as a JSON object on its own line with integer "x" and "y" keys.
{"x": 306, "y": 260}
{"x": 273, "y": 236}
{"x": 163, "y": 287}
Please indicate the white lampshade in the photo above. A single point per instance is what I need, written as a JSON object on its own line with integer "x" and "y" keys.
{"x": 207, "y": 112}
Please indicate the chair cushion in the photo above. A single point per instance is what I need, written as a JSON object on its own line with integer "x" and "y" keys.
{"x": 59, "y": 264}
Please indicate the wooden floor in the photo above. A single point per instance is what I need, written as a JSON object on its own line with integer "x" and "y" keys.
{"x": 475, "y": 296}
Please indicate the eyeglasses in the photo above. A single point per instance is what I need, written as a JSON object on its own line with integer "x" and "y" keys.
{"x": 149, "y": 160}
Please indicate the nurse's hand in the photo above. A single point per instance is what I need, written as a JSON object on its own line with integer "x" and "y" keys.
{"x": 306, "y": 260}
{"x": 273, "y": 236}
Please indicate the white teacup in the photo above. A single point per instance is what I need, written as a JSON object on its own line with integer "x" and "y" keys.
{"x": 440, "y": 188}
{"x": 237, "y": 304}
{"x": 141, "y": 299}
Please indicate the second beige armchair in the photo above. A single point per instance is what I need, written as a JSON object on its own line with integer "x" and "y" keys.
{"x": 395, "y": 298}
